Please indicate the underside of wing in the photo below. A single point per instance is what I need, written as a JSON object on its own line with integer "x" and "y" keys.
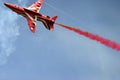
{"x": 32, "y": 25}
{"x": 36, "y": 6}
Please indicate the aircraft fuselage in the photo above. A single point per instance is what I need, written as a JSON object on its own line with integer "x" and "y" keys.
{"x": 21, "y": 11}
{"x": 17, "y": 9}
{"x": 32, "y": 17}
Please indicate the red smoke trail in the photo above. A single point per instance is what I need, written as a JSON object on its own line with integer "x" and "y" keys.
{"x": 97, "y": 38}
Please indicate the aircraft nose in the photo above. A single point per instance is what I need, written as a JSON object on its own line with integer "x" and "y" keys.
{"x": 6, "y": 4}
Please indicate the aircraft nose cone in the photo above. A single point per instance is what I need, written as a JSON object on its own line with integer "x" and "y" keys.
{"x": 6, "y": 4}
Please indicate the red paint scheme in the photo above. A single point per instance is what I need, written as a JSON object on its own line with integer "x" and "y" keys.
{"x": 36, "y": 6}
{"x": 97, "y": 38}
{"x": 32, "y": 15}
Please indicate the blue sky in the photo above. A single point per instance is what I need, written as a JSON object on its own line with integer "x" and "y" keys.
{"x": 62, "y": 54}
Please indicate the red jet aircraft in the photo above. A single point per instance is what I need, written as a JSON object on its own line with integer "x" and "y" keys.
{"x": 32, "y": 15}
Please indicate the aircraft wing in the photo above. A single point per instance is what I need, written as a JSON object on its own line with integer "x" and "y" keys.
{"x": 36, "y": 6}
{"x": 46, "y": 20}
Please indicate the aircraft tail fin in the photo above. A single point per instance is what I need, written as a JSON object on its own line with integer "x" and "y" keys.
{"x": 53, "y": 19}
